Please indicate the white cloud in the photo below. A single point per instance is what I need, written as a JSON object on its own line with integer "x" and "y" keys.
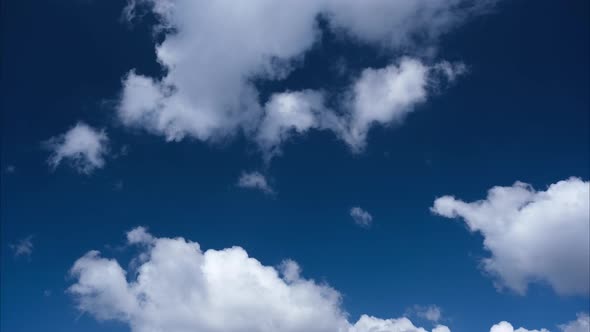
{"x": 441, "y": 328}
{"x": 139, "y": 235}
{"x": 255, "y": 180}
{"x": 432, "y": 313}
{"x": 507, "y": 327}
{"x": 285, "y": 114}
{"x": 82, "y": 146}
{"x": 24, "y": 247}
{"x": 581, "y": 324}
{"x": 180, "y": 288}
{"x": 207, "y": 91}
{"x": 361, "y": 217}
{"x": 532, "y": 235}
{"x": 384, "y": 96}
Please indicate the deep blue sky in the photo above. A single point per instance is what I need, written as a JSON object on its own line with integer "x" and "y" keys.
{"x": 522, "y": 113}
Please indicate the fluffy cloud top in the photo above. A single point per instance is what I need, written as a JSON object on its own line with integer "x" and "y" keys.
{"x": 507, "y": 327}
{"x": 82, "y": 146}
{"x": 361, "y": 217}
{"x": 180, "y": 288}
{"x": 581, "y": 324}
{"x": 532, "y": 235}
{"x": 255, "y": 180}
{"x": 212, "y": 53}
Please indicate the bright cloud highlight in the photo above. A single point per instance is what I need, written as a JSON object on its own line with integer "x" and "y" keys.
{"x": 178, "y": 287}
{"x": 532, "y": 235}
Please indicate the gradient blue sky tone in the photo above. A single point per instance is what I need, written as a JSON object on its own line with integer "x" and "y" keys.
{"x": 520, "y": 112}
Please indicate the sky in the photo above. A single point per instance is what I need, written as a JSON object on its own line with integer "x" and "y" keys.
{"x": 330, "y": 165}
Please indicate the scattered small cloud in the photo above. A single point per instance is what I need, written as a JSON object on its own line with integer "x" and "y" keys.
{"x": 118, "y": 185}
{"x": 10, "y": 169}
{"x": 255, "y": 180}
{"x": 82, "y": 146}
{"x": 432, "y": 313}
{"x": 47, "y": 293}
{"x": 24, "y": 247}
{"x": 361, "y": 217}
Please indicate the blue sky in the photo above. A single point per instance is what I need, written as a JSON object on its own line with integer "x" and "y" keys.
{"x": 380, "y": 108}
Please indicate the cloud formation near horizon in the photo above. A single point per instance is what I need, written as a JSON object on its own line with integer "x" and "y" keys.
{"x": 532, "y": 235}
{"x": 207, "y": 92}
{"x": 178, "y": 287}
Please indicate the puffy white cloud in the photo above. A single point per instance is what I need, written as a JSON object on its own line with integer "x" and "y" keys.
{"x": 82, "y": 146}
{"x": 386, "y": 95}
{"x": 361, "y": 217}
{"x": 139, "y": 235}
{"x": 178, "y": 287}
{"x": 23, "y": 247}
{"x": 532, "y": 235}
{"x": 285, "y": 114}
{"x": 507, "y": 327}
{"x": 255, "y": 180}
{"x": 581, "y": 324}
{"x": 212, "y": 53}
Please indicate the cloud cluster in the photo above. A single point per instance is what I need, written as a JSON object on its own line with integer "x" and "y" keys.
{"x": 83, "y": 147}
{"x": 361, "y": 217}
{"x": 178, "y": 287}
{"x": 532, "y": 235}
{"x": 213, "y": 52}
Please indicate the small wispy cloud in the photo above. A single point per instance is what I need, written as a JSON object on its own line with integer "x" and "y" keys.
{"x": 10, "y": 169}
{"x": 82, "y": 146}
{"x": 432, "y": 313}
{"x": 24, "y": 247}
{"x": 255, "y": 180}
{"x": 361, "y": 217}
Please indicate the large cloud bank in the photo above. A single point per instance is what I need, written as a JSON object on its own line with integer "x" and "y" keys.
{"x": 532, "y": 235}
{"x": 212, "y": 52}
{"x": 177, "y": 287}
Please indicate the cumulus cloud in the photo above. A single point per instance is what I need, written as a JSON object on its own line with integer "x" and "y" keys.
{"x": 83, "y": 147}
{"x": 532, "y": 235}
{"x": 207, "y": 92}
{"x": 507, "y": 327}
{"x": 288, "y": 113}
{"x": 24, "y": 247}
{"x": 361, "y": 217}
{"x": 581, "y": 324}
{"x": 254, "y": 180}
{"x": 178, "y": 287}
